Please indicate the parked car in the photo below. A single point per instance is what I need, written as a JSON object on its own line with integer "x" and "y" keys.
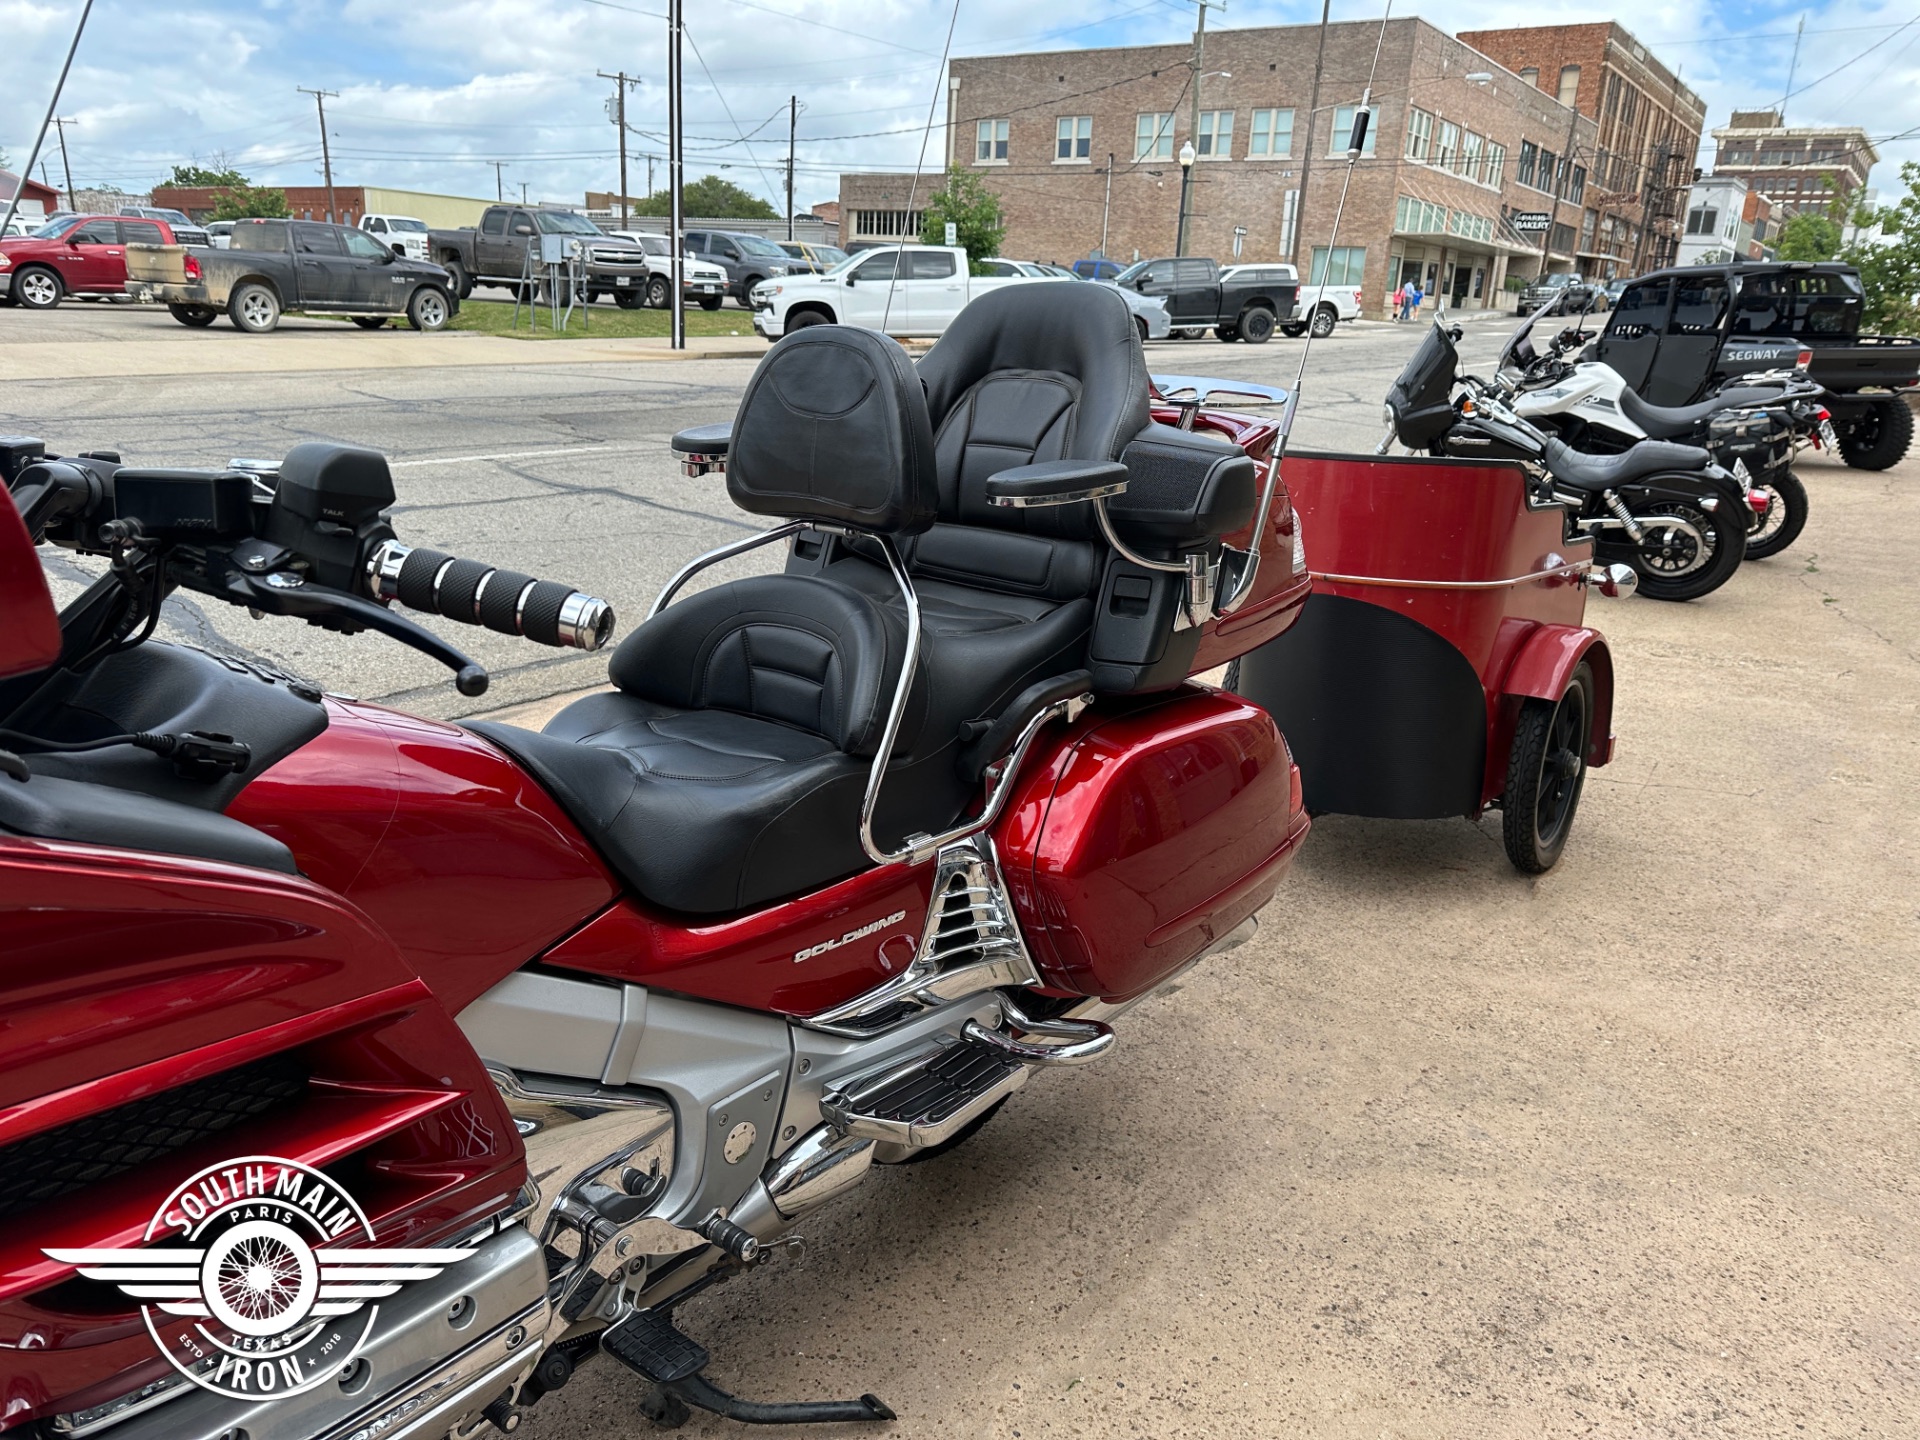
{"x": 1149, "y": 313}
{"x": 1097, "y": 267}
{"x": 219, "y": 232}
{"x": 701, "y": 281}
{"x": 403, "y": 234}
{"x": 1566, "y": 291}
{"x": 495, "y": 252}
{"x": 1318, "y": 306}
{"x": 901, "y": 289}
{"x": 817, "y": 258}
{"x": 274, "y": 266}
{"x": 1196, "y": 297}
{"x": 186, "y": 230}
{"x": 747, "y": 259}
{"x": 1610, "y": 292}
{"x": 1676, "y": 335}
{"x": 80, "y": 255}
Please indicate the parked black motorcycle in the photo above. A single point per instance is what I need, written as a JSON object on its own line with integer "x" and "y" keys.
{"x": 1670, "y": 511}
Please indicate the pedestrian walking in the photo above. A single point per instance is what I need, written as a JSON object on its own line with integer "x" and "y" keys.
{"x": 1400, "y": 304}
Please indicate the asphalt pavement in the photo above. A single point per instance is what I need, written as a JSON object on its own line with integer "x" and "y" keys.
{"x": 1624, "y": 1150}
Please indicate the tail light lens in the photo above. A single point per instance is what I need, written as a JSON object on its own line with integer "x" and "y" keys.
{"x": 191, "y": 266}
{"x": 1803, "y": 359}
{"x": 1822, "y": 415}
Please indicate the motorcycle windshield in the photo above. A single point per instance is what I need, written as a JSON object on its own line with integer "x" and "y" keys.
{"x": 1421, "y": 399}
{"x": 1520, "y": 351}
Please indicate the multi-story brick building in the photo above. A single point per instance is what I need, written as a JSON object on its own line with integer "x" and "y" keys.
{"x": 1083, "y": 149}
{"x": 1798, "y": 167}
{"x": 1649, "y": 125}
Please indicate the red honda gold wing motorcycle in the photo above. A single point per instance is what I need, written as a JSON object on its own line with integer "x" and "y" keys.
{"x": 363, "y": 1075}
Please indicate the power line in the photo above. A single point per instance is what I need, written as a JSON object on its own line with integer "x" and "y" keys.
{"x": 772, "y": 193}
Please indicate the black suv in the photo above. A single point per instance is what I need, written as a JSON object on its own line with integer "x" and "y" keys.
{"x": 747, "y": 259}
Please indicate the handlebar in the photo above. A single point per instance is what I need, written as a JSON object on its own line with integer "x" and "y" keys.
{"x": 473, "y": 593}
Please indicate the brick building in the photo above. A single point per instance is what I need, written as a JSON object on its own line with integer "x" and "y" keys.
{"x": 1649, "y": 127}
{"x": 1082, "y": 147}
{"x": 1799, "y": 167}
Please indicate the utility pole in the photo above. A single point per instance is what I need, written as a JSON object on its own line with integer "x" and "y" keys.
{"x": 793, "y": 123}
{"x": 620, "y": 123}
{"x": 1106, "y": 209}
{"x": 1306, "y": 155}
{"x": 1792, "y": 66}
{"x": 676, "y": 26}
{"x": 499, "y": 186}
{"x": 1198, "y": 65}
{"x": 523, "y": 192}
{"x": 320, "y": 98}
{"x": 60, "y": 124}
{"x": 53, "y": 103}
{"x": 1553, "y": 210}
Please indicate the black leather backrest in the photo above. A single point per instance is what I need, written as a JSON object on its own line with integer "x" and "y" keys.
{"x": 834, "y": 426}
{"x": 800, "y": 650}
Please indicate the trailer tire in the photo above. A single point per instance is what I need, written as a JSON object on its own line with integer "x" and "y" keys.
{"x": 458, "y": 281}
{"x": 38, "y": 288}
{"x": 1546, "y": 770}
{"x": 1878, "y": 440}
{"x": 1256, "y": 325}
{"x": 197, "y": 316}
{"x": 253, "y": 308}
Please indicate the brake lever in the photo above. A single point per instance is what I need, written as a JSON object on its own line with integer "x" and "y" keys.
{"x": 282, "y": 592}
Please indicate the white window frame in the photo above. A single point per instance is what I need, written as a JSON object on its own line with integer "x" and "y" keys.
{"x": 1213, "y": 142}
{"x": 1446, "y": 145}
{"x": 1471, "y": 148}
{"x": 1493, "y": 165}
{"x": 1076, "y": 133}
{"x": 1267, "y": 131}
{"x": 1419, "y": 142}
{"x": 1158, "y": 125}
{"x": 989, "y": 135}
{"x": 1343, "y": 131}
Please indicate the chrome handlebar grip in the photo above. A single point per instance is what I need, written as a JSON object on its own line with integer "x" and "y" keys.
{"x": 543, "y": 611}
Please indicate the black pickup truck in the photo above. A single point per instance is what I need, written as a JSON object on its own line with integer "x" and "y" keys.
{"x": 273, "y": 266}
{"x": 1196, "y": 299}
{"x": 1675, "y": 335}
{"x": 495, "y": 252}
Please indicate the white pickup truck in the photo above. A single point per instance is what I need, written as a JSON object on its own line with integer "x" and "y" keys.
{"x": 905, "y": 290}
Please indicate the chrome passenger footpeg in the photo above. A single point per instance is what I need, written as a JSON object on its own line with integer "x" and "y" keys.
{"x": 928, "y": 1100}
{"x": 648, "y": 1343}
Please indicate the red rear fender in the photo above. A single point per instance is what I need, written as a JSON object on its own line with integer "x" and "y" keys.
{"x": 1544, "y": 667}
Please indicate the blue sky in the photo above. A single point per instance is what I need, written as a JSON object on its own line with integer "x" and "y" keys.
{"x": 429, "y": 92}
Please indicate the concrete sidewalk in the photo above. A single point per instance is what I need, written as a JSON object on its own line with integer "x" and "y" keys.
{"x": 211, "y": 352}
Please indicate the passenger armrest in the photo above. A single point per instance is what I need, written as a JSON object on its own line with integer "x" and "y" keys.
{"x": 985, "y": 741}
{"x": 702, "y": 449}
{"x": 1056, "y": 482}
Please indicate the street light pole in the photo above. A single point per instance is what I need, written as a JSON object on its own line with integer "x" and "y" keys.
{"x": 1187, "y": 157}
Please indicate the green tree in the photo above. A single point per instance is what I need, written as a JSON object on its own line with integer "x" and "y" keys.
{"x": 1808, "y": 236}
{"x": 710, "y": 198}
{"x": 194, "y": 176}
{"x": 974, "y": 212}
{"x": 1890, "y": 267}
{"x": 249, "y": 202}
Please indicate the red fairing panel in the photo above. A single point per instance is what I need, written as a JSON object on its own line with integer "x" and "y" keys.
{"x": 756, "y": 960}
{"x": 29, "y": 625}
{"x": 458, "y": 855}
{"x": 1137, "y": 841}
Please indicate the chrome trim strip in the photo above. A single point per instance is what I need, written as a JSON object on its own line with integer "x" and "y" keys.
{"x": 1569, "y": 569}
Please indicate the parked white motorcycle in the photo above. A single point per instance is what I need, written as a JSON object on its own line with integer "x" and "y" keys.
{"x": 1749, "y": 429}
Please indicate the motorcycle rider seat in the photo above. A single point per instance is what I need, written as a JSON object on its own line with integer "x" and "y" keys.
{"x": 1663, "y": 422}
{"x": 1604, "y": 472}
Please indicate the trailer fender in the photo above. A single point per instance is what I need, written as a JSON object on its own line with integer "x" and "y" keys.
{"x": 1545, "y": 666}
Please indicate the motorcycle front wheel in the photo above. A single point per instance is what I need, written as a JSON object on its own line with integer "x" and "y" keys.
{"x": 1684, "y": 551}
{"x": 1786, "y": 514}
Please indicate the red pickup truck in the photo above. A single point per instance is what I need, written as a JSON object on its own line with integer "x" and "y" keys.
{"x": 80, "y": 255}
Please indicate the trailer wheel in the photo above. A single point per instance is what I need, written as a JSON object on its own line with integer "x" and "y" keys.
{"x": 198, "y": 316}
{"x": 1256, "y": 325}
{"x": 1546, "y": 769}
{"x": 253, "y": 308}
{"x": 1786, "y": 513}
{"x": 1878, "y": 440}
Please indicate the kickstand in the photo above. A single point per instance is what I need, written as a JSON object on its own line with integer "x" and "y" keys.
{"x": 647, "y": 1343}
